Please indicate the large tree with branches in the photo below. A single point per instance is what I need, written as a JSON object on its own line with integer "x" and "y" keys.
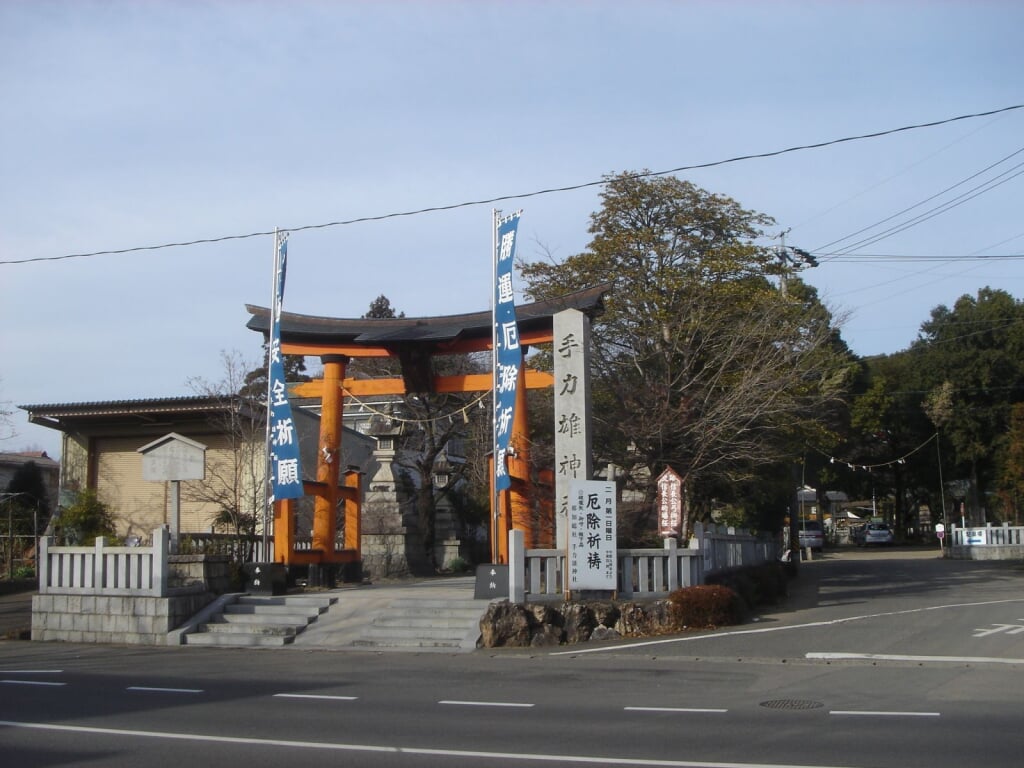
{"x": 699, "y": 362}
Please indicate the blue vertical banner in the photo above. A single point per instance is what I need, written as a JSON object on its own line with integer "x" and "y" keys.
{"x": 282, "y": 438}
{"x": 507, "y": 354}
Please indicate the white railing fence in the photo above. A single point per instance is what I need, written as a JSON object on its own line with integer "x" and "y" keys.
{"x": 989, "y": 535}
{"x": 100, "y": 569}
{"x": 642, "y": 572}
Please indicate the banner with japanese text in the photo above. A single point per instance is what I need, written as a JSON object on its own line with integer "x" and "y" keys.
{"x": 670, "y": 503}
{"x": 507, "y": 354}
{"x": 593, "y": 542}
{"x": 285, "y": 465}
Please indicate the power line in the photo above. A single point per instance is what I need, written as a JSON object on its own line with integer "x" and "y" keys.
{"x": 915, "y": 205}
{"x": 521, "y": 196}
{"x": 942, "y": 208}
{"x": 891, "y": 257}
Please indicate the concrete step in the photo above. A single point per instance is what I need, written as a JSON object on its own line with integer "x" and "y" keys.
{"x": 399, "y": 642}
{"x": 265, "y": 618}
{"x": 227, "y": 628}
{"x": 272, "y": 610}
{"x": 434, "y": 620}
{"x": 261, "y": 620}
{"x": 376, "y": 631}
{"x": 431, "y": 623}
{"x": 323, "y": 602}
{"x": 215, "y": 638}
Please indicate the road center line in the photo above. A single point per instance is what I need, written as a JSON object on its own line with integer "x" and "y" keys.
{"x": 148, "y": 689}
{"x": 31, "y": 671}
{"x": 31, "y": 682}
{"x": 484, "y": 703}
{"x": 313, "y": 696}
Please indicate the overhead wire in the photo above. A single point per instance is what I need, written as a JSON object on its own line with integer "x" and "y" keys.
{"x": 820, "y": 249}
{"x": 520, "y": 196}
{"x": 937, "y": 210}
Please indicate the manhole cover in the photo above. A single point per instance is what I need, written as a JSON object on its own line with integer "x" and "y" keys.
{"x": 792, "y": 704}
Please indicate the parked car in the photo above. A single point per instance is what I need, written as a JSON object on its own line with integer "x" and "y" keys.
{"x": 876, "y": 533}
{"x": 812, "y": 535}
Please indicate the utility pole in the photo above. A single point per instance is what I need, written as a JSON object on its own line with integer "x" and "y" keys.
{"x": 797, "y": 257}
{"x": 783, "y": 262}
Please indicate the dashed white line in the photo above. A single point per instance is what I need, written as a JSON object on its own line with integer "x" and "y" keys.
{"x": 31, "y": 671}
{"x": 32, "y": 682}
{"x": 314, "y": 696}
{"x": 485, "y": 703}
{"x": 697, "y": 710}
{"x": 148, "y": 689}
{"x": 881, "y": 713}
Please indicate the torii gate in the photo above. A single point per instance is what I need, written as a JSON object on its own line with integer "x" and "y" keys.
{"x": 413, "y": 342}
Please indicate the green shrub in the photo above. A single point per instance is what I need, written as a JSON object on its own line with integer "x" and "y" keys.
{"x": 705, "y": 607}
{"x": 85, "y": 519}
{"x": 458, "y": 565}
{"x": 757, "y": 585}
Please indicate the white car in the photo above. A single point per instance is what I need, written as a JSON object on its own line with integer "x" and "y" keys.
{"x": 876, "y": 533}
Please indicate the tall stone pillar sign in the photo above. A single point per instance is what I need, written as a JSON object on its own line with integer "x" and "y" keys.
{"x": 173, "y": 458}
{"x": 670, "y": 503}
{"x": 571, "y": 349}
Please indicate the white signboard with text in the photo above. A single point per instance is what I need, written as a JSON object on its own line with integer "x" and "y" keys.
{"x": 592, "y": 537}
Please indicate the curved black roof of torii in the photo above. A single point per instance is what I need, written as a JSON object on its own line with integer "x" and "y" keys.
{"x": 403, "y": 331}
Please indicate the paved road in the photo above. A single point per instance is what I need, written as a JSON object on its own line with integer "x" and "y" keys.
{"x": 930, "y": 676}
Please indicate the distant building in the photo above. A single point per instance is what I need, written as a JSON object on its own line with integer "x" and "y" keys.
{"x": 100, "y": 442}
{"x": 10, "y": 463}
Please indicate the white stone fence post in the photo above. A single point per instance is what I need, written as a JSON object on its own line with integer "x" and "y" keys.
{"x": 105, "y": 570}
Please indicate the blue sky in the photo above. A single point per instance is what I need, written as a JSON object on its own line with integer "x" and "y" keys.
{"x": 141, "y": 123}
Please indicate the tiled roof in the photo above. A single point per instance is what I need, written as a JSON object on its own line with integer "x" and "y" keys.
{"x": 437, "y": 329}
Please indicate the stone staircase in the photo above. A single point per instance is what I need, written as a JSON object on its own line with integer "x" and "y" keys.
{"x": 426, "y": 624}
{"x": 255, "y": 620}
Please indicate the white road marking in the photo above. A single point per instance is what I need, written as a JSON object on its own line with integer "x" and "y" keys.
{"x": 334, "y": 746}
{"x": 313, "y": 696}
{"x": 484, "y": 703}
{"x": 674, "y": 709}
{"x": 148, "y": 689}
{"x": 880, "y": 713}
{"x": 31, "y": 682}
{"x": 902, "y": 657}
{"x": 786, "y": 628}
{"x": 31, "y": 671}
{"x": 1009, "y": 629}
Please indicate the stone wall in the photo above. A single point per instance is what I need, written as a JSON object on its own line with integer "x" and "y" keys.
{"x": 101, "y": 619}
{"x": 1010, "y": 552}
{"x": 79, "y": 617}
{"x": 532, "y": 625}
{"x": 201, "y": 573}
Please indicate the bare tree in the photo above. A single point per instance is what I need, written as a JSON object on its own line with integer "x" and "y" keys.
{"x": 235, "y": 483}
